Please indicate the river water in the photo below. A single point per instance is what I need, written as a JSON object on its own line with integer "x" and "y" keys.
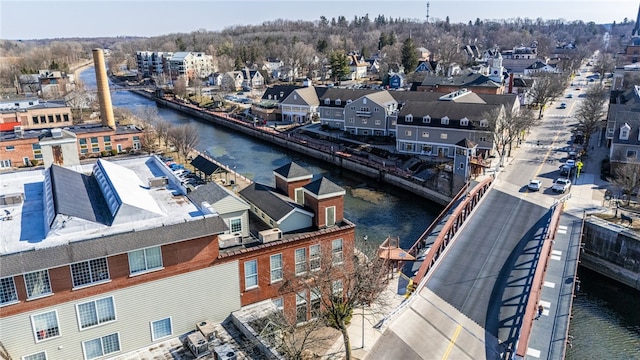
{"x": 606, "y": 315}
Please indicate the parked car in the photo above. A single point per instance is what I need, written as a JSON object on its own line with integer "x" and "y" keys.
{"x": 561, "y": 185}
{"x": 534, "y": 185}
{"x": 569, "y": 96}
{"x": 566, "y": 171}
{"x": 571, "y": 163}
{"x": 563, "y": 105}
{"x": 573, "y": 155}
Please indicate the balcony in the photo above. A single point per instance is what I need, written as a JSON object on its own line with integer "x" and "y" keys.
{"x": 361, "y": 113}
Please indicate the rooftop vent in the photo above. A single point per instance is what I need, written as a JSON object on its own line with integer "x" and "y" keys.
{"x": 159, "y": 181}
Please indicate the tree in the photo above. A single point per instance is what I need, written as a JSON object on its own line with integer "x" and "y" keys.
{"x": 506, "y": 125}
{"x": 339, "y": 65}
{"x": 163, "y": 129}
{"x": 591, "y": 111}
{"x": 340, "y": 283}
{"x": 626, "y": 175}
{"x": 180, "y": 87}
{"x": 409, "y": 56}
{"x": 184, "y": 138}
{"x": 604, "y": 63}
{"x": 546, "y": 88}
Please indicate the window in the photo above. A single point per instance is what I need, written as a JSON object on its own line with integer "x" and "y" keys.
{"x": 96, "y": 312}
{"x": 83, "y": 146}
{"x": 43, "y": 119}
{"x": 107, "y": 143}
{"x": 353, "y": 108}
{"x": 299, "y": 194}
{"x": 624, "y": 132}
{"x": 484, "y": 123}
{"x": 145, "y": 260}
{"x": 377, "y": 122}
{"x": 464, "y": 122}
{"x": 444, "y": 121}
{"x": 37, "y": 152}
{"x": 336, "y": 251}
{"x": 482, "y": 138}
{"x": 632, "y": 154}
{"x": 407, "y": 132}
{"x": 50, "y": 117}
{"x": 65, "y": 117}
{"x": 58, "y": 118}
{"x": 34, "y": 119}
{"x": 95, "y": 147}
{"x": 301, "y": 306}
{"x": 301, "y": 261}
{"x": 425, "y": 134}
{"x": 38, "y": 356}
{"x": 336, "y": 288}
{"x": 235, "y": 225}
{"x": 327, "y": 101}
{"x": 330, "y": 215}
{"x": 8, "y": 293}
{"x": 278, "y": 303}
{"x": 89, "y": 272}
{"x": 276, "y": 267}
{"x": 338, "y": 102}
{"x": 426, "y": 119}
{"x": 426, "y": 149}
{"x": 45, "y": 325}
{"x": 250, "y": 274}
{"x": 443, "y": 136}
{"x": 10, "y": 148}
{"x": 350, "y": 120}
{"x": 101, "y": 346}
{"x": 315, "y": 303}
{"x": 408, "y": 118}
{"x": 161, "y": 328}
{"x": 314, "y": 257}
{"x": 37, "y": 284}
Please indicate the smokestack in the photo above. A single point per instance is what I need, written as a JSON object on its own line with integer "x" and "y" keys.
{"x": 104, "y": 96}
{"x": 510, "y": 83}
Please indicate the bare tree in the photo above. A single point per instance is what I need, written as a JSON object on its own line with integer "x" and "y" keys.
{"x": 180, "y": 87}
{"x": 546, "y": 88}
{"x": 184, "y": 138}
{"x": 340, "y": 284}
{"x": 604, "y": 63}
{"x": 162, "y": 129}
{"x": 591, "y": 111}
{"x": 626, "y": 175}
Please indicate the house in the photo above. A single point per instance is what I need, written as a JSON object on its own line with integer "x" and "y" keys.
{"x": 424, "y": 53}
{"x": 396, "y": 81}
{"x": 358, "y": 67}
{"x": 232, "y": 81}
{"x": 105, "y": 236}
{"x": 371, "y": 114}
{"x": 273, "y": 67}
{"x": 539, "y": 67}
{"x": 252, "y": 79}
{"x": 474, "y": 82}
{"x": 332, "y": 103}
{"x": 425, "y": 66}
{"x": 301, "y": 106}
{"x": 623, "y": 127}
{"x": 268, "y": 107}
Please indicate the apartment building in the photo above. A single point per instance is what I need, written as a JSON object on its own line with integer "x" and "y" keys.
{"x": 32, "y": 113}
{"x": 84, "y": 245}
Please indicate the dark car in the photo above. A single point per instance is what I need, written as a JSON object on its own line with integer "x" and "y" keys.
{"x": 566, "y": 170}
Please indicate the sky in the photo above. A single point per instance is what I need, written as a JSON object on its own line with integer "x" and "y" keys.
{"x": 46, "y": 19}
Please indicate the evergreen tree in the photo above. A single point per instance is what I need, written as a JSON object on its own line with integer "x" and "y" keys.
{"x": 409, "y": 56}
{"x": 339, "y": 65}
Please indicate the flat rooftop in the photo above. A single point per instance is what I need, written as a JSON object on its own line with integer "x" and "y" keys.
{"x": 63, "y": 205}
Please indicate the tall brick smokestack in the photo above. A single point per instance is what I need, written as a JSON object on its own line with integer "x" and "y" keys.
{"x": 104, "y": 96}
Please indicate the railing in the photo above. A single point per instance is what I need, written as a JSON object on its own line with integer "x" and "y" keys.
{"x": 536, "y": 286}
{"x": 451, "y": 227}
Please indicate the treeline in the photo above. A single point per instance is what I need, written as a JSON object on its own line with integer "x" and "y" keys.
{"x": 304, "y": 43}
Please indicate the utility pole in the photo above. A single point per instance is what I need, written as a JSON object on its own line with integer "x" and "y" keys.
{"x": 427, "y": 12}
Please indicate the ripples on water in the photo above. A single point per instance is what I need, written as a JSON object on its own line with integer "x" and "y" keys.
{"x": 606, "y": 320}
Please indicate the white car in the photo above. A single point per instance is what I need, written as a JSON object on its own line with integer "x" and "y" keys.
{"x": 561, "y": 185}
{"x": 571, "y": 163}
{"x": 534, "y": 185}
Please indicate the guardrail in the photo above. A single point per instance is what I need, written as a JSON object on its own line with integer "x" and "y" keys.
{"x": 538, "y": 281}
{"x": 451, "y": 227}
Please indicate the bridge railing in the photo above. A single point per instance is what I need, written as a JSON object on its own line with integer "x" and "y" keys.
{"x": 538, "y": 281}
{"x": 451, "y": 227}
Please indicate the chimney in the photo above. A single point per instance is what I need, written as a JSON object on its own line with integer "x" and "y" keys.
{"x": 510, "y": 83}
{"x": 290, "y": 178}
{"x": 104, "y": 96}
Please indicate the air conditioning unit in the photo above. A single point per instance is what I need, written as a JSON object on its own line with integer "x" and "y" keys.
{"x": 229, "y": 240}
{"x": 18, "y": 130}
{"x": 56, "y": 133}
{"x": 197, "y": 344}
{"x": 225, "y": 352}
{"x": 207, "y": 329}
{"x": 158, "y": 181}
{"x": 270, "y": 235}
{"x": 11, "y": 199}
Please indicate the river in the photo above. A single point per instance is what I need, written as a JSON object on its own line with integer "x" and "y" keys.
{"x": 606, "y": 315}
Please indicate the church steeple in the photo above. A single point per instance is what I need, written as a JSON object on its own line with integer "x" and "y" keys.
{"x": 636, "y": 29}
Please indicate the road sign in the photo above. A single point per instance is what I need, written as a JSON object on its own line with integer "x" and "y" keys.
{"x": 579, "y": 165}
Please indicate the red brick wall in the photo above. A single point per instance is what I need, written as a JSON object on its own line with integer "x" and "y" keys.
{"x": 177, "y": 259}
{"x": 290, "y": 187}
{"x": 319, "y": 206}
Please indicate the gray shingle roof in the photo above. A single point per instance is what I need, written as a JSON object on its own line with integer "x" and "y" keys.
{"x": 210, "y": 192}
{"x": 267, "y": 199}
{"x": 323, "y": 186}
{"x": 469, "y": 79}
{"x": 437, "y": 110}
{"x": 292, "y": 170}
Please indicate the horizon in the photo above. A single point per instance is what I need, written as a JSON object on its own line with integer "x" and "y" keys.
{"x": 148, "y": 18}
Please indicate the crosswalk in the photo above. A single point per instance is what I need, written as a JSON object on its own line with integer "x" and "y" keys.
{"x": 547, "y": 146}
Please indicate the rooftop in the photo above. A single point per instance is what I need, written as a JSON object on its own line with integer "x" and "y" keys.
{"x": 107, "y": 198}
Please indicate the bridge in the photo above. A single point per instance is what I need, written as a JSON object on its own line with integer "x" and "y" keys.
{"x": 496, "y": 272}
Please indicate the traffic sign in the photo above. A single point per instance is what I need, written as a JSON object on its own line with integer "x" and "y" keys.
{"x": 579, "y": 164}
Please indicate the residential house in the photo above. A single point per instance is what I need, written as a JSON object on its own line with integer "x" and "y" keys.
{"x": 540, "y": 67}
{"x": 252, "y": 79}
{"x": 273, "y": 67}
{"x": 472, "y": 52}
{"x": 105, "y": 236}
{"x": 371, "y": 114}
{"x": 374, "y": 66}
{"x": 49, "y": 84}
{"x": 301, "y": 106}
{"x": 215, "y": 79}
{"x": 424, "y": 53}
{"x": 396, "y": 81}
{"x": 425, "y": 66}
{"x": 232, "y": 81}
{"x": 516, "y": 60}
{"x": 474, "y": 82}
{"x": 623, "y": 126}
{"x": 332, "y": 103}
{"x": 521, "y": 86}
{"x": 268, "y": 108}
{"x": 358, "y": 67}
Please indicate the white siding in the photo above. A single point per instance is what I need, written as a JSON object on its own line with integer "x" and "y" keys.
{"x": 208, "y": 294}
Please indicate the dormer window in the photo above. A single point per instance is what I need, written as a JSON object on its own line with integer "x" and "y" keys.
{"x": 364, "y": 101}
{"x": 484, "y": 123}
{"x": 338, "y": 102}
{"x": 408, "y": 118}
{"x": 464, "y": 122}
{"x": 624, "y": 131}
{"x": 327, "y": 101}
{"x": 426, "y": 119}
{"x": 350, "y": 101}
{"x": 444, "y": 121}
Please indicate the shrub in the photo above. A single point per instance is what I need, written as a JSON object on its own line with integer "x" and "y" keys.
{"x": 104, "y": 153}
{"x": 34, "y": 162}
{"x": 114, "y": 152}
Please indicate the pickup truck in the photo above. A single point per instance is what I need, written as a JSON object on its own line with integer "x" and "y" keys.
{"x": 561, "y": 185}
